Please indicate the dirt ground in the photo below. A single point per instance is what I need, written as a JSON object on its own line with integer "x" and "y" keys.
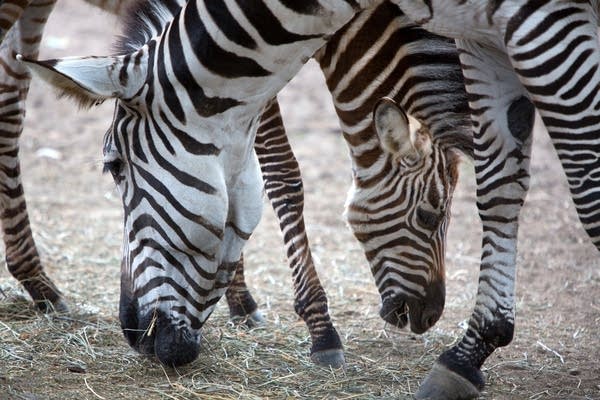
{"x": 76, "y": 217}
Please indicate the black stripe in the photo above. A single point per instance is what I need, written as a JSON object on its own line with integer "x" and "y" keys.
{"x": 520, "y": 17}
{"x": 307, "y": 7}
{"x": 147, "y": 221}
{"x": 158, "y": 186}
{"x": 183, "y": 177}
{"x": 492, "y": 7}
{"x": 554, "y": 62}
{"x": 268, "y": 25}
{"x": 547, "y": 23}
{"x": 554, "y": 41}
{"x": 189, "y": 143}
{"x": 216, "y": 59}
{"x": 550, "y": 89}
{"x": 228, "y": 24}
{"x": 169, "y": 93}
{"x": 238, "y": 231}
{"x": 205, "y": 106}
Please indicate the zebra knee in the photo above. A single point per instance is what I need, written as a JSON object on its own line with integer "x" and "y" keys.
{"x": 520, "y": 117}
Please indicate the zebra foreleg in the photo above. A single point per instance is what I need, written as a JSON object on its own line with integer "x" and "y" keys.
{"x": 283, "y": 185}
{"x": 564, "y": 83}
{"x": 503, "y": 122}
{"x": 22, "y": 257}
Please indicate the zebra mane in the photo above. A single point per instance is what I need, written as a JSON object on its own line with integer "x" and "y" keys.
{"x": 456, "y": 129}
{"x": 460, "y": 138}
{"x": 143, "y": 20}
{"x": 452, "y": 126}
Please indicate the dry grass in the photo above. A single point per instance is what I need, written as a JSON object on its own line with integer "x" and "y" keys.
{"x": 81, "y": 355}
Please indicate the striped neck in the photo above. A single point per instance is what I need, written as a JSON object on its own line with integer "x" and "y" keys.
{"x": 220, "y": 63}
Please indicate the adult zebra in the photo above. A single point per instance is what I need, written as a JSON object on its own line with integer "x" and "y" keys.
{"x": 406, "y": 247}
{"x": 190, "y": 85}
{"x": 517, "y": 56}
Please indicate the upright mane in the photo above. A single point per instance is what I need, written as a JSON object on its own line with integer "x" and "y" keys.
{"x": 143, "y": 20}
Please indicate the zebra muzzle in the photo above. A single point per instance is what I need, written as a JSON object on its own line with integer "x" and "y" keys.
{"x": 155, "y": 334}
{"x": 422, "y": 313}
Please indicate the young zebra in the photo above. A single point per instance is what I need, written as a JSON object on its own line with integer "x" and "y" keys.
{"x": 190, "y": 85}
{"x": 517, "y": 56}
{"x": 399, "y": 206}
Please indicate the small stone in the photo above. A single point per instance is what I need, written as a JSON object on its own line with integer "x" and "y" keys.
{"x": 574, "y": 372}
{"x": 78, "y": 369}
{"x": 47, "y": 152}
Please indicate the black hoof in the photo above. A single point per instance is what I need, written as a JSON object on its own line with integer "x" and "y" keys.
{"x": 333, "y": 358}
{"x": 252, "y": 320}
{"x": 444, "y": 384}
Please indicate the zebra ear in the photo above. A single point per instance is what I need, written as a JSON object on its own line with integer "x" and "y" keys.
{"x": 90, "y": 80}
{"x": 393, "y": 128}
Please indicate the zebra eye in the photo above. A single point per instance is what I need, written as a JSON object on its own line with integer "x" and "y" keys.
{"x": 427, "y": 219}
{"x": 113, "y": 166}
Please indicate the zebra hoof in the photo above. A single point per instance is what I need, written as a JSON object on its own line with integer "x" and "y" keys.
{"x": 252, "y": 320}
{"x": 255, "y": 319}
{"x": 444, "y": 384}
{"x": 59, "y": 306}
{"x": 332, "y": 358}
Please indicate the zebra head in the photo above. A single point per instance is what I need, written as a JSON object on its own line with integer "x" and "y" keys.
{"x": 398, "y": 209}
{"x": 191, "y": 194}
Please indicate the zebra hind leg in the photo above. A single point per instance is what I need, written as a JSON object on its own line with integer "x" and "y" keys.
{"x": 22, "y": 257}
{"x": 10, "y": 12}
{"x": 283, "y": 185}
{"x": 503, "y": 122}
{"x": 242, "y": 307}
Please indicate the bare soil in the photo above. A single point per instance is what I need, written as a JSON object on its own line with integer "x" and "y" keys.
{"x": 76, "y": 217}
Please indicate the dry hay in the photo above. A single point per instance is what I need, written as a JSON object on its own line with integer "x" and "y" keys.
{"x": 80, "y": 355}
{"x": 83, "y": 355}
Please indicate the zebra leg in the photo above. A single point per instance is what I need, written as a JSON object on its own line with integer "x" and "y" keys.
{"x": 283, "y": 185}
{"x": 242, "y": 307}
{"x": 10, "y": 12}
{"x": 563, "y": 82}
{"x": 22, "y": 258}
{"x": 503, "y": 121}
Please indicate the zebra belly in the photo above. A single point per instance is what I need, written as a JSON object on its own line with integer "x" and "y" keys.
{"x": 470, "y": 19}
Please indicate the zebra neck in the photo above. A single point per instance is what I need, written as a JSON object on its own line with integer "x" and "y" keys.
{"x": 230, "y": 53}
